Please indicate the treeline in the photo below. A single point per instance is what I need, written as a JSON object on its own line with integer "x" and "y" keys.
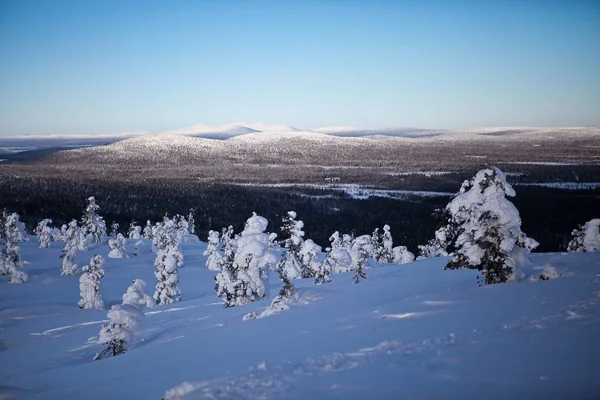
{"x": 548, "y": 215}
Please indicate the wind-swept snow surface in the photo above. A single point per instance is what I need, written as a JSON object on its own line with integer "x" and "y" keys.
{"x": 407, "y": 331}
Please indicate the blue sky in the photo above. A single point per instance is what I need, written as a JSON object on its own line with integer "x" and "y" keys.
{"x": 108, "y": 66}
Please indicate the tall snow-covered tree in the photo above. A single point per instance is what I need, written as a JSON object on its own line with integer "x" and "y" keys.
{"x": 92, "y": 224}
{"x": 382, "y": 245}
{"x": 168, "y": 258}
{"x": 586, "y": 237}
{"x": 252, "y": 262}
{"x": 309, "y": 254}
{"x": 213, "y": 261}
{"x": 290, "y": 265}
{"x": 124, "y": 320}
{"x": 114, "y": 230}
{"x": 148, "y": 230}
{"x": 191, "y": 219}
{"x": 117, "y": 247}
{"x": 44, "y": 233}
{"x": 89, "y": 284}
{"x": 377, "y": 241}
{"x": 386, "y": 254}
{"x": 74, "y": 240}
{"x": 13, "y": 233}
{"x": 488, "y": 228}
{"x": 325, "y": 270}
{"x": 361, "y": 251}
{"x": 225, "y": 279}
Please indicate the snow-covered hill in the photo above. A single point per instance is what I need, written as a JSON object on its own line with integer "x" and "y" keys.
{"x": 409, "y": 331}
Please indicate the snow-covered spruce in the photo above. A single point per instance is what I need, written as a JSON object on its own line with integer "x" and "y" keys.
{"x": 89, "y": 284}
{"x": 290, "y": 265}
{"x": 383, "y": 245}
{"x": 325, "y": 270}
{"x": 60, "y": 235}
{"x": 185, "y": 229}
{"x": 338, "y": 256}
{"x": 191, "y": 219}
{"x": 136, "y": 295}
{"x": 251, "y": 263}
{"x": 117, "y": 247}
{"x": 586, "y": 237}
{"x": 74, "y": 240}
{"x": 488, "y": 228}
{"x": 114, "y": 230}
{"x": 44, "y": 233}
{"x": 168, "y": 258}
{"x": 147, "y": 233}
{"x": 361, "y": 251}
{"x": 125, "y": 319}
{"x": 224, "y": 281}
{"x": 213, "y": 261}
{"x": 135, "y": 231}
{"x": 401, "y": 255}
{"x": 309, "y": 254}
{"x": 93, "y": 225}
{"x": 12, "y": 234}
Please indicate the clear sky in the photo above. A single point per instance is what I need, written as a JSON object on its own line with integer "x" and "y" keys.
{"x": 86, "y": 66}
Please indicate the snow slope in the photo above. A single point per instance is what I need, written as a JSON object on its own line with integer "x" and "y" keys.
{"x": 409, "y": 331}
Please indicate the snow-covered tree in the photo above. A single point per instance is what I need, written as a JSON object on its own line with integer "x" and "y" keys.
{"x": 361, "y": 251}
{"x": 168, "y": 258}
{"x": 586, "y": 237}
{"x": 401, "y": 255}
{"x": 124, "y": 320}
{"x": 309, "y": 254}
{"x": 290, "y": 265}
{"x": 60, "y": 235}
{"x": 117, "y": 247}
{"x": 326, "y": 268}
{"x": 213, "y": 262}
{"x": 135, "y": 231}
{"x": 336, "y": 240}
{"x": 377, "y": 240}
{"x": 89, "y": 284}
{"x": 386, "y": 254}
{"x": 114, "y": 230}
{"x": 488, "y": 228}
{"x": 136, "y": 295}
{"x": 191, "y": 219}
{"x": 148, "y": 230}
{"x": 338, "y": 256}
{"x": 184, "y": 230}
{"x": 225, "y": 279}
{"x": 92, "y": 224}
{"x": 382, "y": 244}
{"x": 74, "y": 240}
{"x": 251, "y": 263}
{"x": 13, "y": 233}
{"x": 438, "y": 246}
{"x": 44, "y": 233}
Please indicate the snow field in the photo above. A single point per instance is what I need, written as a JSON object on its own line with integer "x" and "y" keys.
{"x": 407, "y": 331}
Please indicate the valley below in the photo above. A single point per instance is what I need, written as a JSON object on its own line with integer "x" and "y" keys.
{"x": 349, "y": 181}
